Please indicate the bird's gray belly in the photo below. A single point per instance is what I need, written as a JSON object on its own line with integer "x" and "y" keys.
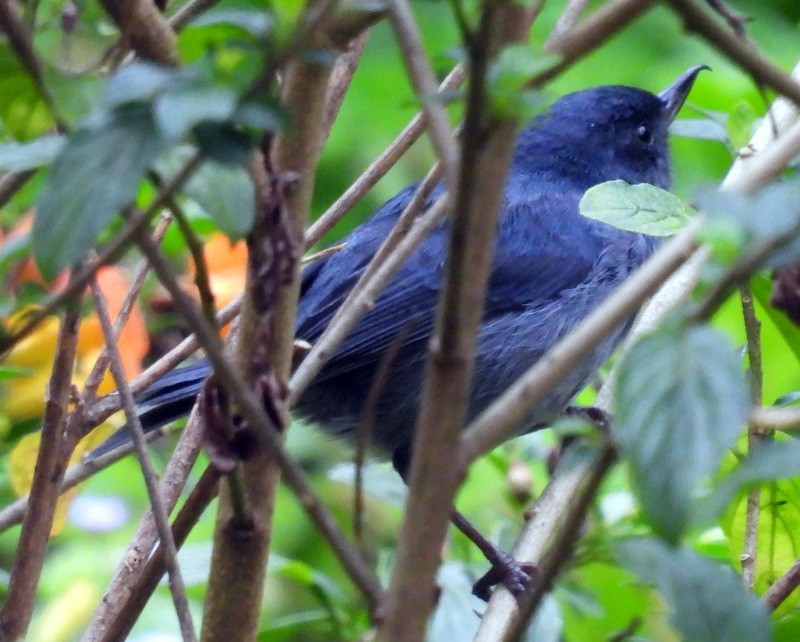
{"x": 508, "y": 345}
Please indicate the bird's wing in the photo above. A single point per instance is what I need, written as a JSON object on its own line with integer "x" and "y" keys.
{"x": 538, "y": 257}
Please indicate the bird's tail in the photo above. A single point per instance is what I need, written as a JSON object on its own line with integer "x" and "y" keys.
{"x": 169, "y": 398}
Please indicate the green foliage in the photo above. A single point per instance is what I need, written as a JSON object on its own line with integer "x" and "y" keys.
{"x": 97, "y": 172}
{"x": 636, "y": 208}
{"x": 18, "y": 157}
{"x": 707, "y": 601}
{"x": 506, "y": 80}
{"x": 681, "y": 402}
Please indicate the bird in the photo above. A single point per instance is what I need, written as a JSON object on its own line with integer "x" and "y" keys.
{"x": 551, "y": 267}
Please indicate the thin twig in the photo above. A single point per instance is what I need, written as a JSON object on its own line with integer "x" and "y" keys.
{"x": 55, "y": 448}
{"x": 341, "y": 77}
{"x": 147, "y": 581}
{"x": 752, "y": 327}
{"x": 424, "y": 83}
{"x": 487, "y": 144}
{"x": 736, "y": 21}
{"x": 132, "y": 564}
{"x": 566, "y": 21}
{"x": 783, "y": 587}
{"x": 98, "y": 370}
{"x": 401, "y": 241}
{"x": 176, "y": 585}
{"x": 187, "y": 12}
{"x": 742, "y": 52}
{"x": 378, "y": 168}
{"x": 12, "y": 182}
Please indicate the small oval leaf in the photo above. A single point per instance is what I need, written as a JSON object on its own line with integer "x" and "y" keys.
{"x": 642, "y": 208}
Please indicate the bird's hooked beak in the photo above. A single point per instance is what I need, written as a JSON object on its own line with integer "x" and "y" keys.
{"x": 675, "y": 95}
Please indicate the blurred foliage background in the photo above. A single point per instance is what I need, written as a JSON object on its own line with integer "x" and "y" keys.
{"x": 308, "y": 597}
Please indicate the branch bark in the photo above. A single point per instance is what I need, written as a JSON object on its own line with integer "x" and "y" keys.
{"x": 486, "y": 148}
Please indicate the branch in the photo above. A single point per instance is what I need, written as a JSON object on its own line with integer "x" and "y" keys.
{"x": 548, "y": 539}
{"x": 133, "y": 564}
{"x": 424, "y": 83}
{"x": 755, "y": 373}
{"x": 138, "y": 592}
{"x": 487, "y": 144}
{"x": 55, "y": 447}
{"x": 510, "y": 409}
{"x": 737, "y": 49}
{"x": 401, "y": 144}
{"x": 176, "y": 584}
{"x": 146, "y": 28}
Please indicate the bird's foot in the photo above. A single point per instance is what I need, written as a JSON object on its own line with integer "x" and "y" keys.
{"x": 515, "y": 576}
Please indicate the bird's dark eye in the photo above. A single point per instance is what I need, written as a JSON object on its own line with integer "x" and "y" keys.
{"x": 644, "y": 135}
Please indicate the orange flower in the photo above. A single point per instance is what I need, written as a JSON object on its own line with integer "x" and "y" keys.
{"x": 23, "y": 396}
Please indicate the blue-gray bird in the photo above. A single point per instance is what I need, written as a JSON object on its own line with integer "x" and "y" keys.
{"x": 550, "y": 269}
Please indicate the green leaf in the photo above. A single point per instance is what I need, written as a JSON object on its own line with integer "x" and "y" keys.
{"x": 681, "y": 401}
{"x": 708, "y": 602}
{"x": 777, "y": 544}
{"x": 741, "y": 122}
{"x": 642, "y": 208}
{"x": 699, "y": 129}
{"x": 226, "y": 194}
{"x": 13, "y": 372}
{"x": 178, "y": 111}
{"x": 506, "y": 81}
{"x": 139, "y": 82}
{"x": 95, "y": 175}
{"x": 18, "y": 157}
{"x": 257, "y": 23}
{"x": 773, "y": 460}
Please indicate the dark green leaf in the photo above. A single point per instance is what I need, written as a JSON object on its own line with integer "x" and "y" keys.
{"x": 226, "y": 194}
{"x": 641, "y": 208}
{"x": 681, "y": 401}
{"x": 177, "y": 111}
{"x": 18, "y": 157}
{"x": 267, "y": 117}
{"x": 223, "y": 143}
{"x": 707, "y": 600}
{"x": 96, "y": 173}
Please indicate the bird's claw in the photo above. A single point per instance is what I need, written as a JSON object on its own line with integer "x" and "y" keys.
{"x": 515, "y": 576}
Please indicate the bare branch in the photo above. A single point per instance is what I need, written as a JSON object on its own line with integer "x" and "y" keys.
{"x": 424, "y": 84}
{"x": 487, "y": 146}
{"x": 146, "y": 28}
{"x": 176, "y": 584}
{"x": 55, "y": 447}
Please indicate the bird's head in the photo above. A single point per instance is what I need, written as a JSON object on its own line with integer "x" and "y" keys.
{"x": 607, "y": 133}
